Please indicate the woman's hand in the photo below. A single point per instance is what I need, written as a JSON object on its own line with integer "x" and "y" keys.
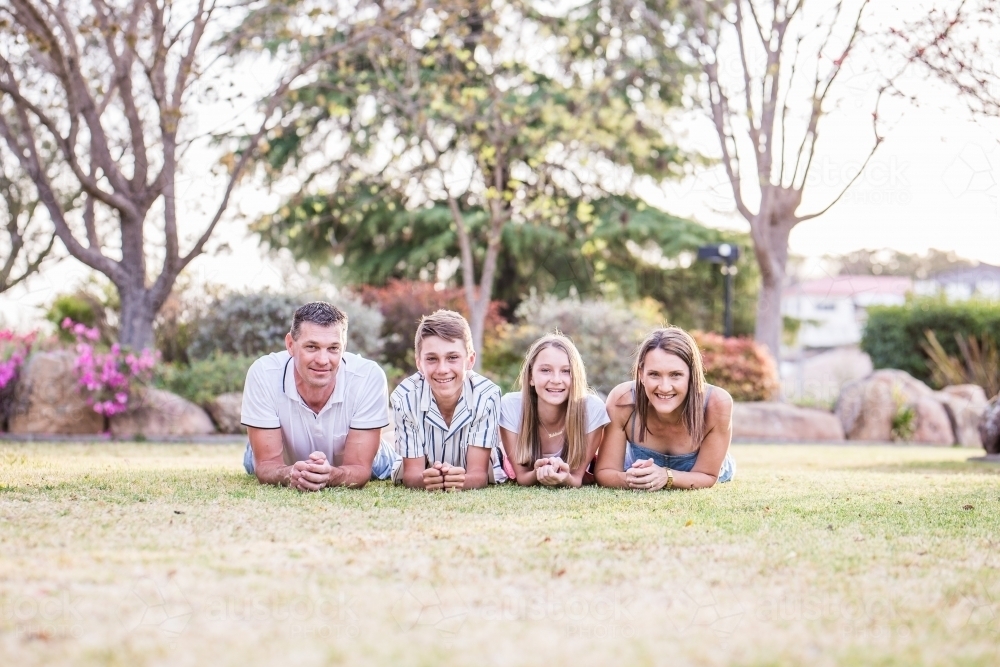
{"x": 552, "y": 471}
{"x": 644, "y": 475}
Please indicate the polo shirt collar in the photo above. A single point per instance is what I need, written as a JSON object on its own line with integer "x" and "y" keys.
{"x": 339, "y": 391}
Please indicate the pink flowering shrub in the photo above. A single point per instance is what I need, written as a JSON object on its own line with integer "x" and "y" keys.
{"x": 14, "y": 349}
{"x": 107, "y": 376}
{"x": 739, "y": 365}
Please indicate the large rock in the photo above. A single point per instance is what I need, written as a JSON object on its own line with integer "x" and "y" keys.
{"x": 226, "y": 410}
{"x": 156, "y": 413}
{"x": 965, "y": 405}
{"x": 931, "y": 424}
{"x": 866, "y": 408}
{"x": 48, "y": 399}
{"x": 779, "y": 421}
{"x": 989, "y": 426}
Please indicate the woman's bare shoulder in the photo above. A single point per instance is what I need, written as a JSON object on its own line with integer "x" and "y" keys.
{"x": 720, "y": 406}
{"x": 620, "y": 399}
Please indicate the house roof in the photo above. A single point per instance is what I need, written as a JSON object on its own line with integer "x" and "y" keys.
{"x": 843, "y": 286}
{"x": 970, "y": 274}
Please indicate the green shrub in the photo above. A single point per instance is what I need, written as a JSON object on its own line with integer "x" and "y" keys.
{"x": 244, "y": 325}
{"x": 207, "y": 378}
{"x": 255, "y": 324}
{"x": 94, "y": 305}
{"x": 739, "y": 365}
{"x": 606, "y": 333}
{"x": 895, "y": 336}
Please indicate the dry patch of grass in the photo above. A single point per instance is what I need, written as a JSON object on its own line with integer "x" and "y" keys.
{"x": 170, "y": 554}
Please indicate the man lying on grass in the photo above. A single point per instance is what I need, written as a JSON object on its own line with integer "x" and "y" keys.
{"x": 446, "y": 414}
{"x": 314, "y": 413}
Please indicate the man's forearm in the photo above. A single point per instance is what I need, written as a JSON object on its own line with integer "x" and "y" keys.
{"x": 351, "y": 476}
{"x": 273, "y": 473}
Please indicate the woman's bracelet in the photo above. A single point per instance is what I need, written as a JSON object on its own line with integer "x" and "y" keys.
{"x": 670, "y": 478}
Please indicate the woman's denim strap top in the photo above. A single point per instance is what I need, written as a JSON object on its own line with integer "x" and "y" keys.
{"x": 681, "y": 462}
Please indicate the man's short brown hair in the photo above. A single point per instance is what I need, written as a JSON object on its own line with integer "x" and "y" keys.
{"x": 445, "y": 324}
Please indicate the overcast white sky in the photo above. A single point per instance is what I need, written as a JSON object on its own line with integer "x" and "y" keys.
{"x": 934, "y": 183}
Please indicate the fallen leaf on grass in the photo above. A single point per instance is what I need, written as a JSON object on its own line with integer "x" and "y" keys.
{"x": 967, "y": 507}
{"x": 690, "y": 522}
{"x": 178, "y": 512}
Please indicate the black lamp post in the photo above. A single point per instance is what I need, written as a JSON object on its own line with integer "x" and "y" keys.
{"x": 725, "y": 254}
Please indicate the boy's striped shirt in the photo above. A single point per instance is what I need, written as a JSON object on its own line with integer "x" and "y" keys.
{"x": 421, "y": 430}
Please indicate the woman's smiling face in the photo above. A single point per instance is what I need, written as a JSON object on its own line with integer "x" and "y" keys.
{"x": 665, "y": 379}
{"x": 552, "y": 376}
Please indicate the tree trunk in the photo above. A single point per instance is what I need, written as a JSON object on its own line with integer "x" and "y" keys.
{"x": 477, "y": 322}
{"x": 770, "y": 230}
{"x": 769, "y": 326}
{"x": 136, "y": 327}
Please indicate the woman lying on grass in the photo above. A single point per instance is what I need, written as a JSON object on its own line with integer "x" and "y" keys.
{"x": 552, "y": 427}
{"x": 668, "y": 428}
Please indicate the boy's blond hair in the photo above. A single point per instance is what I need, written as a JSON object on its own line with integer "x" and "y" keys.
{"x": 445, "y": 324}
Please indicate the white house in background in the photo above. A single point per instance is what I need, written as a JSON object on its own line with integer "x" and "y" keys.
{"x": 982, "y": 282}
{"x": 832, "y": 311}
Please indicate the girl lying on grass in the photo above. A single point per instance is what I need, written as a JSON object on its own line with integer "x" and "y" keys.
{"x": 668, "y": 428}
{"x": 552, "y": 427}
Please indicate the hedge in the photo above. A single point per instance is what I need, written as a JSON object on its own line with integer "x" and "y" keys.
{"x": 741, "y": 366}
{"x": 894, "y": 335}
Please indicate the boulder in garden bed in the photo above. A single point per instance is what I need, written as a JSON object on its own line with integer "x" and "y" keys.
{"x": 965, "y": 405}
{"x": 867, "y": 407}
{"x": 156, "y": 413}
{"x": 48, "y": 399}
{"x": 931, "y": 424}
{"x": 780, "y": 421}
{"x": 226, "y": 410}
{"x": 989, "y": 426}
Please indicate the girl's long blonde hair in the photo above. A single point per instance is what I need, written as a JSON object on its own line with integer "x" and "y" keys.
{"x": 678, "y": 342}
{"x": 529, "y": 442}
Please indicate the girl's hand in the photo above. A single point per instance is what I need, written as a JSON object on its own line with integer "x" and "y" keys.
{"x": 553, "y": 472}
{"x": 644, "y": 475}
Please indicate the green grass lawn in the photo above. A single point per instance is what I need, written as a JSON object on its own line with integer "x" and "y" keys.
{"x": 125, "y": 554}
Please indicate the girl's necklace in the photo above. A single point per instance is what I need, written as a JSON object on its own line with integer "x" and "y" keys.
{"x": 556, "y": 434}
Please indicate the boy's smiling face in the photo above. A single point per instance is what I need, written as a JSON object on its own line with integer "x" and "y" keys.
{"x": 445, "y": 364}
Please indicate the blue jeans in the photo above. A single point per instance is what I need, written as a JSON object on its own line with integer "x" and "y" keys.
{"x": 681, "y": 462}
{"x": 386, "y": 459}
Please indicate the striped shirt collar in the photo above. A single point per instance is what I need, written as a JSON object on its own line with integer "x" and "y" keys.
{"x": 428, "y": 405}
{"x": 338, "y": 390}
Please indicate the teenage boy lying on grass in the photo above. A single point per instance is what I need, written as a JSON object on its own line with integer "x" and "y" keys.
{"x": 446, "y": 414}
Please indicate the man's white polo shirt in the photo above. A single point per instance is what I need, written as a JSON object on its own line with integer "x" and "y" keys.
{"x": 270, "y": 400}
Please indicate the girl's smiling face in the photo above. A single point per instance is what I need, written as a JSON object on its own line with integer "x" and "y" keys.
{"x": 552, "y": 376}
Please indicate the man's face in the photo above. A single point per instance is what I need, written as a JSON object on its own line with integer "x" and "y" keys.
{"x": 317, "y": 353}
{"x": 445, "y": 364}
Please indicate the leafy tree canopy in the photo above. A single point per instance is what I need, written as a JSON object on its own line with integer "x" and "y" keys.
{"x": 612, "y": 246}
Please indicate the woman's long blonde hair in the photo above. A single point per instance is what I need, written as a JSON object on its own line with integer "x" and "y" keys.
{"x": 529, "y": 441}
{"x": 679, "y": 343}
